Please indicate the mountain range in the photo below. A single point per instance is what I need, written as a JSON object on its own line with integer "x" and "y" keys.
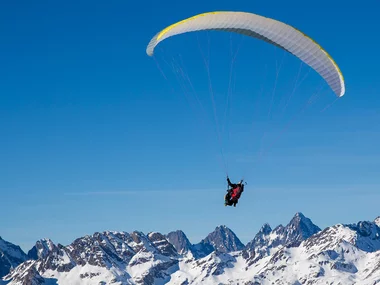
{"x": 297, "y": 253}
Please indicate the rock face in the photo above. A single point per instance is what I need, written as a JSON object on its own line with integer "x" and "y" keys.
{"x": 10, "y": 256}
{"x": 299, "y": 253}
{"x": 27, "y": 274}
{"x": 267, "y": 240}
{"x": 221, "y": 240}
{"x": 41, "y": 249}
{"x": 341, "y": 254}
{"x": 180, "y": 241}
{"x": 363, "y": 235}
{"x": 147, "y": 257}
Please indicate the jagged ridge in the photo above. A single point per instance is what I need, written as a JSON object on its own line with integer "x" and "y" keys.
{"x": 299, "y": 253}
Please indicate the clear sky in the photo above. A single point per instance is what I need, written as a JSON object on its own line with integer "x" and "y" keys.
{"x": 96, "y": 135}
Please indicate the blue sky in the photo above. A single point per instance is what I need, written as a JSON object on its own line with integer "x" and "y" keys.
{"x": 94, "y": 138}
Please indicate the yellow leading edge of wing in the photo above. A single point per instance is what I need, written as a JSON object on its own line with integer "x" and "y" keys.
{"x": 167, "y": 29}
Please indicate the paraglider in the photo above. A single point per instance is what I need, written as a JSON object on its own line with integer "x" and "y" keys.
{"x": 233, "y": 194}
{"x": 272, "y": 31}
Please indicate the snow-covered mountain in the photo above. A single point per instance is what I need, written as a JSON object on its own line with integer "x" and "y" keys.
{"x": 268, "y": 241}
{"x": 299, "y": 253}
{"x": 102, "y": 257}
{"x": 341, "y": 254}
{"x": 10, "y": 256}
{"x": 222, "y": 239}
{"x": 41, "y": 249}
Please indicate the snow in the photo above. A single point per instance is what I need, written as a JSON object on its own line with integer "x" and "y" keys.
{"x": 341, "y": 254}
{"x": 300, "y": 265}
{"x": 65, "y": 258}
{"x": 273, "y": 236}
{"x": 136, "y": 266}
{"x": 330, "y": 260}
{"x": 86, "y": 275}
{"x": 199, "y": 274}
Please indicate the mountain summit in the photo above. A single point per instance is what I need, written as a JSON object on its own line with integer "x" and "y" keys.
{"x": 267, "y": 240}
{"x": 298, "y": 253}
{"x": 10, "y": 256}
{"x": 221, "y": 240}
{"x": 299, "y": 229}
{"x": 180, "y": 241}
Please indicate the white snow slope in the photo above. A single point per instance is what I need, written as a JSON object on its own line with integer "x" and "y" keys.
{"x": 341, "y": 254}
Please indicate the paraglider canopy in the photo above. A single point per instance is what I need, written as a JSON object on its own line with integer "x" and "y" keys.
{"x": 272, "y": 31}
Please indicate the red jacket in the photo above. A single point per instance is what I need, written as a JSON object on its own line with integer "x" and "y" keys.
{"x": 237, "y": 189}
{"x": 236, "y": 192}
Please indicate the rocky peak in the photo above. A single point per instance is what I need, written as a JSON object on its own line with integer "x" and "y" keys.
{"x": 367, "y": 235}
{"x": 41, "y": 249}
{"x": 14, "y": 252}
{"x": 260, "y": 245}
{"x": 162, "y": 244}
{"x": 10, "y": 256}
{"x": 222, "y": 240}
{"x": 25, "y": 273}
{"x": 261, "y": 238}
{"x": 298, "y": 229}
{"x": 180, "y": 241}
{"x": 268, "y": 241}
{"x": 265, "y": 230}
{"x": 363, "y": 235}
{"x": 118, "y": 257}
